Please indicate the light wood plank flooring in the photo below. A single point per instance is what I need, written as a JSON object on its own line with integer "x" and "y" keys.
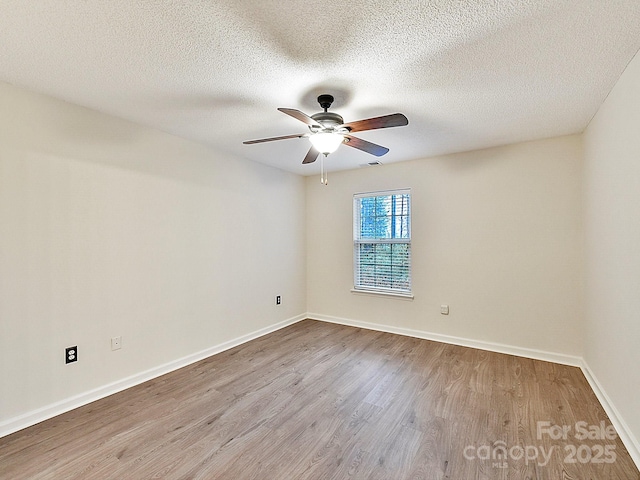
{"x": 324, "y": 401}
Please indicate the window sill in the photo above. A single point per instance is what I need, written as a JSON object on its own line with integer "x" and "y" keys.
{"x": 379, "y": 293}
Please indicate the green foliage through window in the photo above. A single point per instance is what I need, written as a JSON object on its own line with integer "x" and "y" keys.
{"x": 382, "y": 241}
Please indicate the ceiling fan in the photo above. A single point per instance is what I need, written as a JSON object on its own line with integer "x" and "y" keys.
{"x": 327, "y": 131}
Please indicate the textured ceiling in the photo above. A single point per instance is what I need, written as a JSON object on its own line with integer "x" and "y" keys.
{"x": 467, "y": 74}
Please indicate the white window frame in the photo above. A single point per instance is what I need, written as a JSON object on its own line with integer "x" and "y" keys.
{"x": 395, "y": 292}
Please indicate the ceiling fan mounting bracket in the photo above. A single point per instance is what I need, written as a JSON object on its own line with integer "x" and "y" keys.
{"x": 325, "y": 100}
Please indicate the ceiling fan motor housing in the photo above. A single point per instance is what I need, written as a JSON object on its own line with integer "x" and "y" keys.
{"x": 328, "y": 119}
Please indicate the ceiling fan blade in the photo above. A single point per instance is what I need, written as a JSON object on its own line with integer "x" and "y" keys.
{"x": 298, "y": 115}
{"x": 261, "y": 140}
{"x": 386, "y": 121}
{"x": 311, "y": 157}
{"x": 366, "y": 146}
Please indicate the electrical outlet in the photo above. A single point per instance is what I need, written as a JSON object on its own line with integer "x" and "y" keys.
{"x": 116, "y": 343}
{"x": 71, "y": 354}
{"x": 278, "y": 300}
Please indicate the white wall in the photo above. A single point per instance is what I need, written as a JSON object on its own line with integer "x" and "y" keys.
{"x": 108, "y": 228}
{"x": 612, "y": 221}
{"x": 497, "y": 235}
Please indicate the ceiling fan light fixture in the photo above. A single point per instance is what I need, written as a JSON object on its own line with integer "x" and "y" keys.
{"x": 327, "y": 131}
{"x": 326, "y": 142}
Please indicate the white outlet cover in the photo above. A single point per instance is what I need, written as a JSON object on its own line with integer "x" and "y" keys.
{"x": 116, "y": 343}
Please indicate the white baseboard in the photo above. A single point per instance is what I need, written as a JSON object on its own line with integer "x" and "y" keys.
{"x": 630, "y": 441}
{"x": 624, "y": 432}
{"x": 561, "y": 358}
{"x": 36, "y": 416}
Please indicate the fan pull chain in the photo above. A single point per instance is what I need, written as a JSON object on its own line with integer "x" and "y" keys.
{"x": 323, "y": 174}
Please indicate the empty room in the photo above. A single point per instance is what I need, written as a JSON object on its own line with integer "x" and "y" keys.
{"x": 320, "y": 240}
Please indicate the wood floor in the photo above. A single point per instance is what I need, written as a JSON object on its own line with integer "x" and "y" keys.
{"x": 324, "y": 401}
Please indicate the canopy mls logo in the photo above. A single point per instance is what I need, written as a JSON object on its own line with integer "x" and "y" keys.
{"x": 499, "y": 453}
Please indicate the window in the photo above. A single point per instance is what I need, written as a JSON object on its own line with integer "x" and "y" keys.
{"x": 382, "y": 242}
